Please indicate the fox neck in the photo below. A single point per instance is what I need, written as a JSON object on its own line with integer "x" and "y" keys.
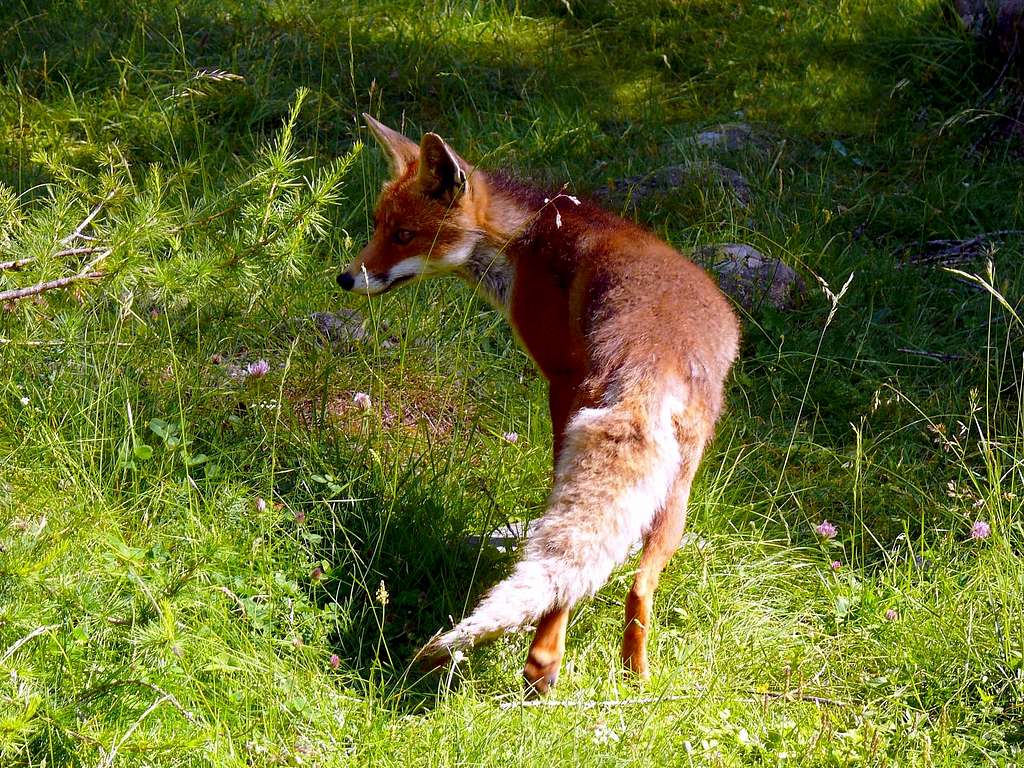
{"x": 526, "y": 259}
{"x": 488, "y": 269}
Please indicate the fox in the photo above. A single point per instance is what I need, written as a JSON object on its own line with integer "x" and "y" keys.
{"x": 635, "y": 342}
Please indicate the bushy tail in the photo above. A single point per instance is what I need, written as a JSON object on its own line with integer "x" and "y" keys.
{"x": 616, "y": 468}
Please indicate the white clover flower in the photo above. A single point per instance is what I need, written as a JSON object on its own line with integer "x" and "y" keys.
{"x": 604, "y": 734}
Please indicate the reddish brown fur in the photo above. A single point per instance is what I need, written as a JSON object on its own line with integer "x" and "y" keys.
{"x": 402, "y": 206}
{"x": 610, "y": 313}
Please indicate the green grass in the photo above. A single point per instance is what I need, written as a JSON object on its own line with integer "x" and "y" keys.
{"x": 154, "y": 611}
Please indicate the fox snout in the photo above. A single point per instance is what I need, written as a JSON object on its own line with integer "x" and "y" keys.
{"x": 369, "y": 282}
{"x": 364, "y": 282}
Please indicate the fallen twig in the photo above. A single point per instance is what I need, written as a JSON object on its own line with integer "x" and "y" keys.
{"x": 593, "y": 704}
{"x": 109, "y": 759}
{"x": 945, "y": 357}
{"x": 171, "y": 698}
{"x": 645, "y": 700}
{"x": 796, "y": 696}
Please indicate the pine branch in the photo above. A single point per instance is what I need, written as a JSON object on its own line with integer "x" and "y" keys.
{"x": 16, "y": 264}
{"x": 17, "y": 294}
{"x": 77, "y": 234}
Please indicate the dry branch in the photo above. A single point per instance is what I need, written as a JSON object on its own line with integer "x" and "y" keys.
{"x": 16, "y": 264}
{"x": 16, "y": 294}
{"x": 33, "y": 634}
{"x": 82, "y": 250}
{"x": 793, "y": 696}
{"x": 77, "y": 234}
{"x": 88, "y": 272}
{"x": 944, "y": 357}
{"x": 950, "y": 252}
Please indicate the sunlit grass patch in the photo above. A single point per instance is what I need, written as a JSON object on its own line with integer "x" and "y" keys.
{"x": 222, "y": 536}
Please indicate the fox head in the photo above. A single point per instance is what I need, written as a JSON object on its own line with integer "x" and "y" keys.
{"x": 424, "y": 222}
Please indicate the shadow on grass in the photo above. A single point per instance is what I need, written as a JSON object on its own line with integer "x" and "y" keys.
{"x": 402, "y": 567}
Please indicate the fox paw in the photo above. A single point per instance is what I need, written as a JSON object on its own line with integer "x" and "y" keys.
{"x": 540, "y": 678}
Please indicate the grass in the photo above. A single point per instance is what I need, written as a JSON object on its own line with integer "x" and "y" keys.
{"x": 183, "y": 548}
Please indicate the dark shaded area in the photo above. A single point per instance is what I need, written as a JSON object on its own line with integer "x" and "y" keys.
{"x": 476, "y": 93}
{"x": 401, "y": 567}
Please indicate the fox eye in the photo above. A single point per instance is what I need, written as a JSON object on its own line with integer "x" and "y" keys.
{"x": 403, "y": 236}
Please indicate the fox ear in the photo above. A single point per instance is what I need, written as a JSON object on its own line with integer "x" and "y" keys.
{"x": 402, "y": 151}
{"x": 442, "y": 173}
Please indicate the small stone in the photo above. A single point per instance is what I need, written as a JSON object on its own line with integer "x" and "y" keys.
{"x": 727, "y": 136}
{"x": 750, "y": 277}
{"x": 342, "y": 327}
{"x": 699, "y": 173}
{"x": 506, "y": 537}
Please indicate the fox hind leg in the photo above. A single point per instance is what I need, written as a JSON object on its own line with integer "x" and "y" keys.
{"x": 546, "y": 651}
{"x": 660, "y": 543}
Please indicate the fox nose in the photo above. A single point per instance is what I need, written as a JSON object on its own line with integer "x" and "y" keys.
{"x": 346, "y": 281}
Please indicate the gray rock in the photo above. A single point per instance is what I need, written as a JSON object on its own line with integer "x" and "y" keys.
{"x": 342, "y": 327}
{"x": 340, "y": 330}
{"x": 506, "y": 537}
{"x": 751, "y": 278}
{"x": 671, "y": 177}
{"x": 727, "y": 136}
